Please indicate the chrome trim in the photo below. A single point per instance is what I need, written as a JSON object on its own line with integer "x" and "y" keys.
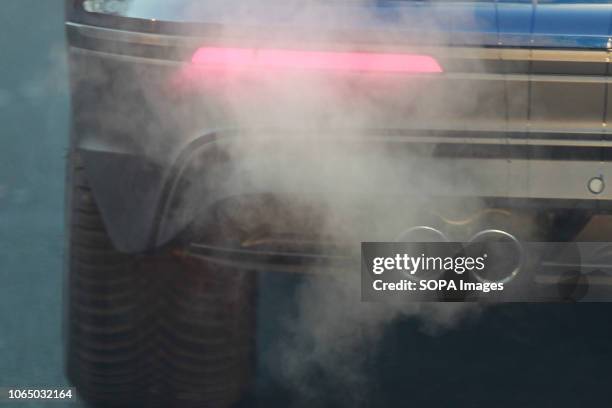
{"x": 511, "y": 54}
{"x": 581, "y": 79}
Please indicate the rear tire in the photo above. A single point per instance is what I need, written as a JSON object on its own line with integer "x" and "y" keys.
{"x": 152, "y": 330}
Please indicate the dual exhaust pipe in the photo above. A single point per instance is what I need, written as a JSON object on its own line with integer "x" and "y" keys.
{"x": 509, "y": 254}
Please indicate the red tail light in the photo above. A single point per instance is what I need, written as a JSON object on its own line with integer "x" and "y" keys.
{"x": 246, "y": 59}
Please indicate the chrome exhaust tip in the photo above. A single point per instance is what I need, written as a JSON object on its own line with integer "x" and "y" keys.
{"x": 510, "y": 251}
{"x": 422, "y": 234}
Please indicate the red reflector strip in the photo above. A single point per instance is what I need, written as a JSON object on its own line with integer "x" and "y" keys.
{"x": 243, "y": 58}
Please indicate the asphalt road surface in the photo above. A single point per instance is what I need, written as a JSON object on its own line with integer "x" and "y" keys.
{"x": 506, "y": 356}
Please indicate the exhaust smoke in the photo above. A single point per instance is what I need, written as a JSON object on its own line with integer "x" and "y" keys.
{"x": 311, "y": 139}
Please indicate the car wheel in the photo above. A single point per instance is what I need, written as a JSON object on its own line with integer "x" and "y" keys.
{"x": 152, "y": 330}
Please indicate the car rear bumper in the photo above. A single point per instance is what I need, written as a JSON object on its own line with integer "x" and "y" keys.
{"x": 146, "y": 204}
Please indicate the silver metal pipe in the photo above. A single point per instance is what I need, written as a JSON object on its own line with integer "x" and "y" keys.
{"x": 494, "y": 234}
